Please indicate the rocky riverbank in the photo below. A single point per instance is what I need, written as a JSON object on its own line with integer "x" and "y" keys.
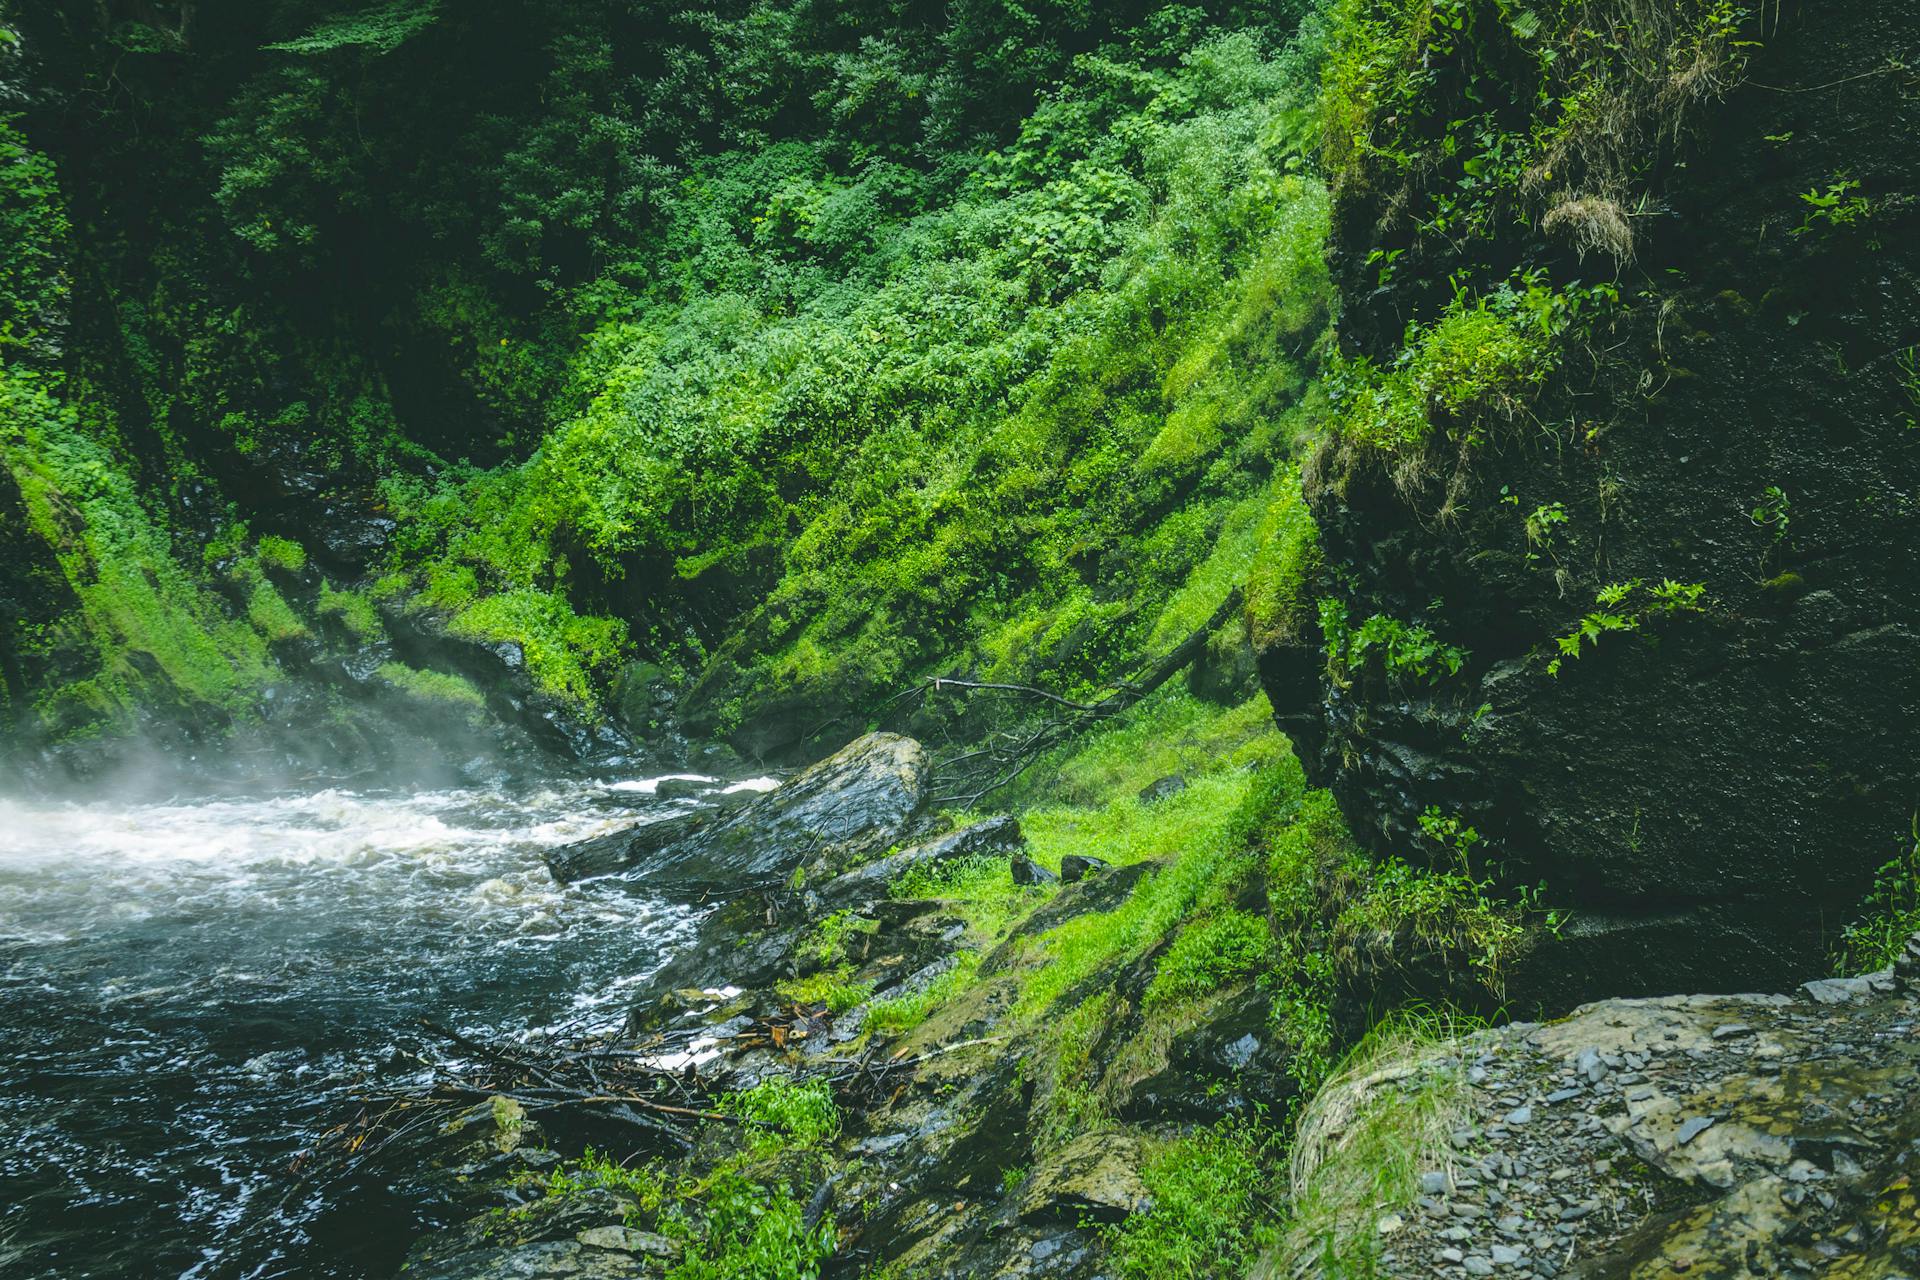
{"x": 1762, "y": 1135}
{"x": 891, "y": 1102}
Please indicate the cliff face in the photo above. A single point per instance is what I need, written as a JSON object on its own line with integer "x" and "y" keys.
{"x": 1709, "y": 778}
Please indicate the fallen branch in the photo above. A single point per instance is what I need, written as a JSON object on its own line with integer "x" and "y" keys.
{"x": 986, "y": 769}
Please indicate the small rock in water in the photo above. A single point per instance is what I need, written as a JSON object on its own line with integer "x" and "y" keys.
{"x": 682, "y": 788}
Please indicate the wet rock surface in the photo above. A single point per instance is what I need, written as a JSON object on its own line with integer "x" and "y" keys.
{"x": 856, "y": 802}
{"x": 1692, "y": 1135}
{"x": 1708, "y": 790}
{"x": 942, "y": 1166}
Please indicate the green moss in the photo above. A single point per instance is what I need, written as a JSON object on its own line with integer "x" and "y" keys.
{"x": 271, "y": 615}
{"x": 1215, "y": 1207}
{"x": 903, "y": 1013}
{"x": 1065, "y": 1103}
{"x": 152, "y": 629}
{"x": 563, "y": 649}
{"x": 1784, "y": 588}
{"x": 1209, "y": 953}
{"x": 832, "y": 988}
{"x": 433, "y": 686}
{"x": 1285, "y": 566}
{"x": 1475, "y": 364}
{"x": 283, "y": 554}
{"x": 355, "y": 610}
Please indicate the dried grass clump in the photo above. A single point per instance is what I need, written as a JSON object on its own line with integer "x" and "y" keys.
{"x": 1592, "y": 224}
{"x": 1385, "y": 1118}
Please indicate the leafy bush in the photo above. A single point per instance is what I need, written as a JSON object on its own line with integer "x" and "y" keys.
{"x": 803, "y": 1112}
{"x": 1890, "y": 915}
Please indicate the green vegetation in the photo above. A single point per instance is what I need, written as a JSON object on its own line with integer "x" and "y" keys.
{"x": 865, "y": 350}
{"x": 1405, "y": 652}
{"x": 903, "y": 1013}
{"x": 1215, "y": 1207}
{"x": 1383, "y": 1119}
{"x": 1627, "y": 606}
{"x": 1889, "y": 916}
{"x": 283, "y": 554}
{"x": 595, "y": 1171}
{"x": 356, "y": 612}
{"x": 803, "y": 1113}
{"x": 832, "y": 989}
{"x": 1209, "y": 953}
{"x": 433, "y": 686}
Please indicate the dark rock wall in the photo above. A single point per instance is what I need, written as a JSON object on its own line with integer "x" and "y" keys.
{"x": 1712, "y": 793}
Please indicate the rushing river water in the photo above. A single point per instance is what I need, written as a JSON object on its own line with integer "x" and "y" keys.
{"x": 190, "y": 992}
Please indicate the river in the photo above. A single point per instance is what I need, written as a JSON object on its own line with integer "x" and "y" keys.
{"x": 190, "y": 992}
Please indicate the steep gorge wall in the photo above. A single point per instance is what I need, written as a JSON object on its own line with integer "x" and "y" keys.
{"x": 1711, "y": 787}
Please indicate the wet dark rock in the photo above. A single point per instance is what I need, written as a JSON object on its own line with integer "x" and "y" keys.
{"x": 683, "y": 788}
{"x": 1232, "y": 1062}
{"x": 1078, "y": 866}
{"x": 851, "y": 804}
{"x": 1094, "y": 1177}
{"x": 1026, "y": 871}
{"x": 992, "y": 838}
{"x": 622, "y": 850}
{"x": 1163, "y": 789}
{"x": 581, "y": 1237}
{"x": 1906, "y": 969}
{"x": 1101, "y": 893}
{"x": 1710, "y": 792}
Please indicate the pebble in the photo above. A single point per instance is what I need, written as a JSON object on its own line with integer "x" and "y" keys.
{"x": 1451, "y": 1255}
{"x": 1505, "y": 1255}
{"x": 1478, "y": 1266}
{"x": 1433, "y": 1183}
{"x": 1520, "y": 1115}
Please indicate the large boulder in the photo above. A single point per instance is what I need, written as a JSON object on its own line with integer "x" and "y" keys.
{"x": 857, "y": 802}
{"x": 1715, "y": 1136}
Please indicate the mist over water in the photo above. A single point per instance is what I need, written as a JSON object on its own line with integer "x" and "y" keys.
{"x": 191, "y": 991}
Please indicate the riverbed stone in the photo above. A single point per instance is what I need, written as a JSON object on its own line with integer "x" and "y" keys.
{"x": 1096, "y": 1176}
{"x": 856, "y": 802}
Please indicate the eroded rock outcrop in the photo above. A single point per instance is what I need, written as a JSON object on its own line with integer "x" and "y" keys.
{"x": 855, "y": 803}
{"x": 1698, "y": 1135}
{"x": 1711, "y": 787}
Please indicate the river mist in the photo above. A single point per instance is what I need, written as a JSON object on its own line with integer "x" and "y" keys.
{"x": 191, "y": 991}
